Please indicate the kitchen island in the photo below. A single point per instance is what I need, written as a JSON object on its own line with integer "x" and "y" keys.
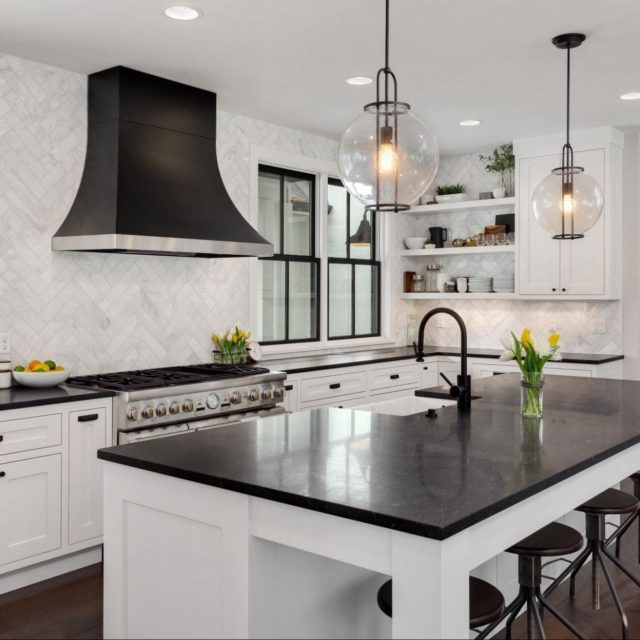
{"x": 190, "y": 521}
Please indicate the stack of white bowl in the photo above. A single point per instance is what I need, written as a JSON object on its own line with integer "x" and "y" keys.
{"x": 504, "y": 283}
{"x": 480, "y": 284}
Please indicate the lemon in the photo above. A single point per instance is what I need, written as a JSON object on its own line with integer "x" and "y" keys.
{"x": 41, "y": 368}
{"x": 59, "y": 368}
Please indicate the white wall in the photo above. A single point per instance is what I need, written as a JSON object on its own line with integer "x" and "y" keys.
{"x": 488, "y": 320}
{"x": 99, "y": 312}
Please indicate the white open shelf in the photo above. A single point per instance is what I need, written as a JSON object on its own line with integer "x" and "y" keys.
{"x": 458, "y": 296}
{"x": 467, "y": 205}
{"x": 457, "y": 251}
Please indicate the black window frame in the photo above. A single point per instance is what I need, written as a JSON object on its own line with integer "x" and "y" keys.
{"x": 287, "y": 259}
{"x": 372, "y": 262}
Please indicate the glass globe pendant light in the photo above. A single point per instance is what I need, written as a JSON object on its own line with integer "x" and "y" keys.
{"x": 388, "y": 156}
{"x": 568, "y": 202}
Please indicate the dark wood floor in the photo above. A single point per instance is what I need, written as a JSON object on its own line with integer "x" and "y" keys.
{"x": 70, "y": 606}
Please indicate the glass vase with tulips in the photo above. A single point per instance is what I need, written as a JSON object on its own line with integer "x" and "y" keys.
{"x": 531, "y": 361}
{"x": 232, "y": 346}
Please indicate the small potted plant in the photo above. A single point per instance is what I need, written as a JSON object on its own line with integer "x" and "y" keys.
{"x": 450, "y": 193}
{"x": 501, "y": 161}
{"x": 231, "y": 346}
{"x": 531, "y": 362}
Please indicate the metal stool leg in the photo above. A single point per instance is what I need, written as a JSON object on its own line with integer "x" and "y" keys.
{"x": 621, "y": 567}
{"x": 519, "y": 602}
{"x": 614, "y": 594}
{"x": 556, "y": 614}
{"x": 578, "y": 563}
{"x": 532, "y": 606}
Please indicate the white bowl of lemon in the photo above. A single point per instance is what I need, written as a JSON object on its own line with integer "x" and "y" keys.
{"x": 38, "y": 374}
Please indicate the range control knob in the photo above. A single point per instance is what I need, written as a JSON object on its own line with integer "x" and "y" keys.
{"x": 188, "y": 405}
{"x": 266, "y": 394}
{"x": 213, "y": 401}
{"x": 254, "y": 395}
{"x": 278, "y": 392}
{"x": 133, "y": 414}
{"x": 161, "y": 410}
{"x": 148, "y": 413}
{"x": 236, "y": 397}
{"x": 174, "y": 408}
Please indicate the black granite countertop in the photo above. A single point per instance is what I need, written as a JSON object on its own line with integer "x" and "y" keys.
{"x": 21, "y": 397}
{"x": 317, "y": 363}
{"x": 427, "y": 476}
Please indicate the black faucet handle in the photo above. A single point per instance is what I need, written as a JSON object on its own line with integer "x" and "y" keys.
{"x": 444, "y": 377}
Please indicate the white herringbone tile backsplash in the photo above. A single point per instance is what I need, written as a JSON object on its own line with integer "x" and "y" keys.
{"x": 488, "y": 320}
{"x": 98, "y": 312}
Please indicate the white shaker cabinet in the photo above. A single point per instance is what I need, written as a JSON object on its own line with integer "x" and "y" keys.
{"x": 585, "y": 268}
{"x": 87, "y": 434}
{"x": 30, "y": 507}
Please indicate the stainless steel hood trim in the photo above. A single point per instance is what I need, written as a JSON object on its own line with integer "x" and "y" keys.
{"x": 159, "y": 245}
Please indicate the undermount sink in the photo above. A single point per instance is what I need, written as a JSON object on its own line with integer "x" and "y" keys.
{"x": 405, "y": 405}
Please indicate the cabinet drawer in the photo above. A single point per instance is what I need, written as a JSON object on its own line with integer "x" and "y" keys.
{"x": 35, "y": 432}
{"x": 338, "y": 403}
{"x": 340, "y": 384}
{"x": 390, "y": 377}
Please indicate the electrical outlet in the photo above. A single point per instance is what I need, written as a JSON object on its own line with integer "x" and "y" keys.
{"x": 5, "y": 343}
{"x": 598, "y": 326}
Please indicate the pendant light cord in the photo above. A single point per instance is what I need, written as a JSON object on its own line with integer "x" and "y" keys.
{"x": 568, "y": 89}
{"x": 386, "y": 37}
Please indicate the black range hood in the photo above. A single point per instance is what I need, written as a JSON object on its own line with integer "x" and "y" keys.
{"x": 151, "y": 182}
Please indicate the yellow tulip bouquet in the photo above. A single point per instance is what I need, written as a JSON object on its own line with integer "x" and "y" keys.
{"x": 531, "y": 362}
{"x": 232, "y": 346}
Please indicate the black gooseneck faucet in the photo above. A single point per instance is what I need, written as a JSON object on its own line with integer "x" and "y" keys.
{"x": 462, "y": 390}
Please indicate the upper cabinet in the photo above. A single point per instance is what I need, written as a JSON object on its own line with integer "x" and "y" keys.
{"x": 587, "y": 268}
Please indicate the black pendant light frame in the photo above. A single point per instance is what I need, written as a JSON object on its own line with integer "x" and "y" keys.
{"x": 386, "y": 113}
{"x": 568, "y": 41}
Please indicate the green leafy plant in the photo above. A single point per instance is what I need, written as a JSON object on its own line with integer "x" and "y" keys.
{"x": 449, "y": 189}
{"x": 502, "y": 161}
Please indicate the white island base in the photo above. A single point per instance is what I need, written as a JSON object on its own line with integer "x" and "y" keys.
{"x": 188, "y": 560}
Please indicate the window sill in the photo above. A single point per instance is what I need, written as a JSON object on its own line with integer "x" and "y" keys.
{"x": 272, "y": 352}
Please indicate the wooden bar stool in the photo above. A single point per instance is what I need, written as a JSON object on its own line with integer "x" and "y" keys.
{"x": 609, "y": 502}
{"x": 486, "y": 603}
{"x": 555, "y": 539}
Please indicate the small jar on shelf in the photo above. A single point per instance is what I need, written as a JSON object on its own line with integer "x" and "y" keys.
{"x": 432, "y": 278}
{"x": 417, "y": 283}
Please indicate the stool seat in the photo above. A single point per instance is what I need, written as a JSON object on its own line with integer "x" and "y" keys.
{"x": 486, "y": 603}
{"x": 611, "y": 501}
{"x": 555, "y": 539}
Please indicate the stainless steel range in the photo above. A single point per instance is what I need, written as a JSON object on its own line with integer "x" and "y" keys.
{"x": 154, "y": 403}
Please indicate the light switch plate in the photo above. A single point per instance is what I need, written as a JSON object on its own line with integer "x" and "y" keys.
{"x": 5, "y": 343}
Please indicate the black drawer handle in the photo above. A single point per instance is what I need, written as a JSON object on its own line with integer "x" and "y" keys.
{"x": 1, "y": 438}
{"x": 335, "y": 385}
{"x": 394, "y": 376}
{"x": 563, "y": 289}
{"x": 426, "y": 368}
{"x": 2, "y": 474}
{"x": 89, "y": 417}
{"x": 288, "y": 387}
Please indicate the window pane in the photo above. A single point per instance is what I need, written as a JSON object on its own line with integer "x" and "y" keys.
{"x": 339, "y": 300}
{"x": 360, "y": 251}
{"x": 302, "y": 300}
{"x": 269, "y": 208}
{"x": 272, "y": 294}
{"x": 366, "y": 285}
{"x": 337, "y": 222}
{"x": 298, "y": 216}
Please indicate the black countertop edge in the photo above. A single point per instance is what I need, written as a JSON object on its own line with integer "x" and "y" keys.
{"x": 354, "y": 359}
{"x": 25, "y": 397}
{"x": 362, "y": 515}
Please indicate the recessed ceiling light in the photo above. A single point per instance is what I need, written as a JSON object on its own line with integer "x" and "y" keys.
{"x": 181, "y": 12}
{"x": 359, "y": 81}
{"x": 633, "y": 95}
{"x": 470, "y": 123}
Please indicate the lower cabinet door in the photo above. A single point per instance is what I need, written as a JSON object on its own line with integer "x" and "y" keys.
{"x": 87, "y": 434}
{"x": 30, "y": 507}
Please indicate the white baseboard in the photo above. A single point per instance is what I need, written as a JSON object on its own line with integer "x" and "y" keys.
{"x": 50, "y": 569}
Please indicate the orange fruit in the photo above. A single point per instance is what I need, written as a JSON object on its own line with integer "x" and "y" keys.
{"x": 33, "y": 364}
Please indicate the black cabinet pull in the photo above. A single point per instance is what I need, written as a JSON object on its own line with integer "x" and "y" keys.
{"x": 426, "y": 368}
{"x": 2, "y": 474}
{"x": 1, "y": 438}
{"x": 288, "y": 387}
{"x": 553, "y": 289}
{"x": 563, "y": 289}
{"x": 394, "y": 376}
{"x": 335, "y": 385}
{"x": 89, "y": 417}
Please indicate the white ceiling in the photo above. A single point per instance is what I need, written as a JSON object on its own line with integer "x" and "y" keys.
{"x": 285, "y": 61}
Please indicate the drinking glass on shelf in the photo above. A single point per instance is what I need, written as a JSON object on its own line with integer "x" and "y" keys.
{"x": 511, "y": 237}
{"x": 501, "y": 238}
{"x": 489, "y": 239}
